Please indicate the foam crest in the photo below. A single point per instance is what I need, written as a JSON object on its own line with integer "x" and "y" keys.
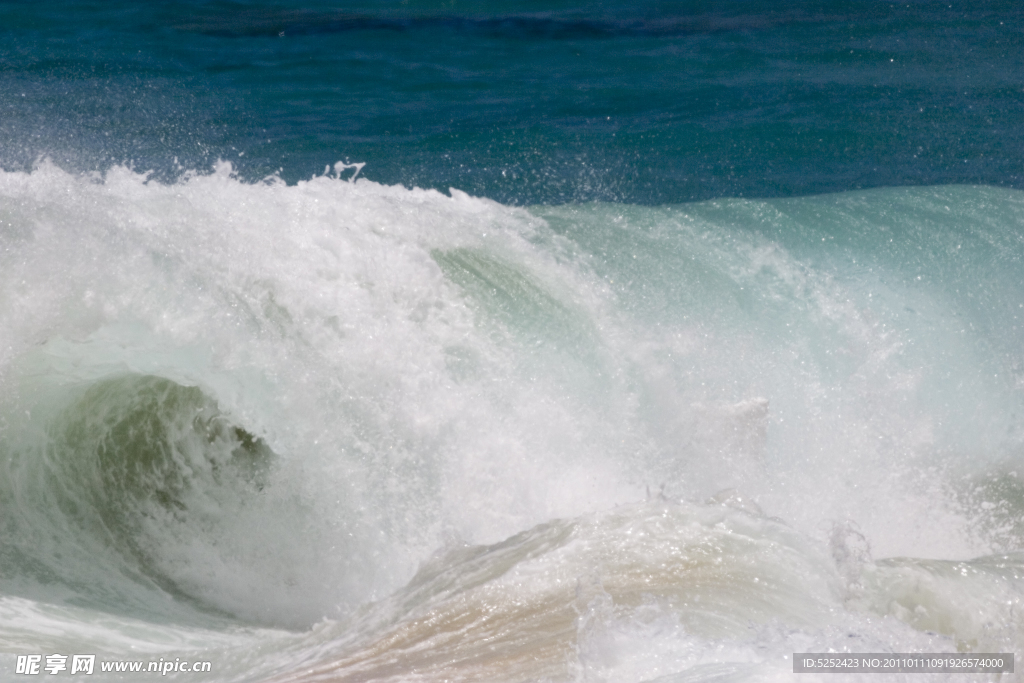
{"x": 228, "y": 402}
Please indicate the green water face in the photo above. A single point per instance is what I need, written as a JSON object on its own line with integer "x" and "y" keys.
{"x": 151, "y": 440}
{"x": 135, "y": 464}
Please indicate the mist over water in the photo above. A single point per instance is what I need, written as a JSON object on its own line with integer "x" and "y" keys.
{"x": 518, "y": 343}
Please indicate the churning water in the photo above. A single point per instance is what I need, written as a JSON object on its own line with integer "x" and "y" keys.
{"x": 337, "y": 429}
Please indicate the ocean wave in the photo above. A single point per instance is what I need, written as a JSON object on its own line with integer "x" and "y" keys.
{"x": 363, "y": 431}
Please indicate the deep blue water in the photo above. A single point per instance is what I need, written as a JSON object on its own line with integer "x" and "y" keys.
{"x": 526, "y": 102}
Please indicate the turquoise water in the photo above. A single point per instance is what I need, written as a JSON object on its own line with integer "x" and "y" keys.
{"x": 509, "y": 342}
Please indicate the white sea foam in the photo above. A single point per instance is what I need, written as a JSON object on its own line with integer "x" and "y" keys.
{"x": 417, "y": 428}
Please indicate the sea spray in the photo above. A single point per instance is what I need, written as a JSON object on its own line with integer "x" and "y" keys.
{"x": 361, "y": 430}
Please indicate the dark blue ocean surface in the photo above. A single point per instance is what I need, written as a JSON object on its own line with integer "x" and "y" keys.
{"x": 525, "y": 102}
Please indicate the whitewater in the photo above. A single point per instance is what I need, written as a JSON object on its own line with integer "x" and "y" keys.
{"x": 343, "y": 431}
